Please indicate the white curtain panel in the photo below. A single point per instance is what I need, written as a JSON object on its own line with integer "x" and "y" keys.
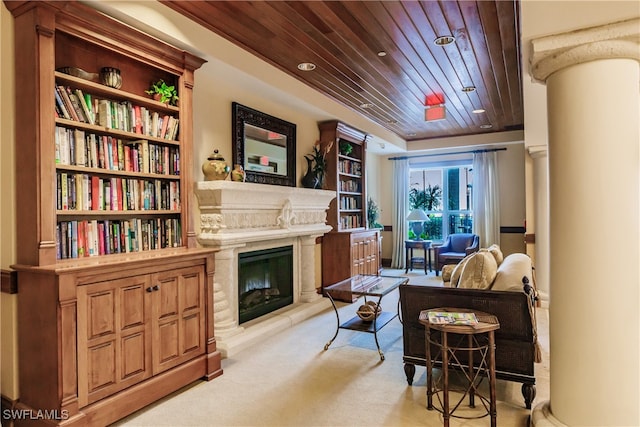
{"x": 486, "y": 198}
{"x": 399, "y": 212}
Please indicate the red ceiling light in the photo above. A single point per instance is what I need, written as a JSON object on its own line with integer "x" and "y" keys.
{"x": 434, "y": 99}
{"x": 435, "y": 108}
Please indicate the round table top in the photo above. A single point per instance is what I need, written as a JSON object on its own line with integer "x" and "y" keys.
{"x": 486, "y": 322}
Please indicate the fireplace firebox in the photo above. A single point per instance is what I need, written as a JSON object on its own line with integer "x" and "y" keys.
{"x": 265, "y": 281}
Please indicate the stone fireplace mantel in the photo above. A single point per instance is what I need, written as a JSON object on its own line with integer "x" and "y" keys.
{"x": 237, "y": 217}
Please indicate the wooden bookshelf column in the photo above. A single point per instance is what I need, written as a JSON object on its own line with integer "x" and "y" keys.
{"x": 351, "y": 248}
{"x": 115, "y": 301}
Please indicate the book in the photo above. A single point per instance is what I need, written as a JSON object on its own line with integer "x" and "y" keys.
{"x": 61, "y": 105}
{"x": 452, "y": 318}
{"x": 75, "y": 102}
{"x": 84, "y": 106}
{"x": 104, "y": 114}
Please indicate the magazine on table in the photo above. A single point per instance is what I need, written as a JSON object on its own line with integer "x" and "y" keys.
{"x": 452, "y": 318}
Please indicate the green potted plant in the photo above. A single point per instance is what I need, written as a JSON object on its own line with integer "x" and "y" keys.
{"x": 163, "y": 92}
{"x": 345, "y": 148}
{"x": 373, "y": 212}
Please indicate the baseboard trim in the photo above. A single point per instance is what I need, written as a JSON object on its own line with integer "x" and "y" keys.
{"x": 9, "y": 281}
{"x": 6, "y": 405}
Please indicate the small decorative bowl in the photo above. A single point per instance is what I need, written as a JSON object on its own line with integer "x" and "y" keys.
{"x": 111, "y": 77}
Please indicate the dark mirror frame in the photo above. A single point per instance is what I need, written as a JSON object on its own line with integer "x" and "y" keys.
{"x": 242, "y": 114}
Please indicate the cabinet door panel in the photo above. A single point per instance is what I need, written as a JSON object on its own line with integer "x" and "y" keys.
{"x": 101, "y": 314}
{"x": 167, "y": 297}
{"x": 167, "y": 348}
{"x": 133, "y": 354}
{"x": 113, "y": 337}
{"x": 191, "y": 336}
{"x": 178, "y": 325}
{"x": 102, "y": 366}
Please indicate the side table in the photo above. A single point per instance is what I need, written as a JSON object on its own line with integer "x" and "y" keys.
{"x": 409, "y": 246}
{"x": 456, "y": 346}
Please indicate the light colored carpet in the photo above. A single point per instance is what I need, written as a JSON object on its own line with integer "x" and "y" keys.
{"x": 289, "y": 380}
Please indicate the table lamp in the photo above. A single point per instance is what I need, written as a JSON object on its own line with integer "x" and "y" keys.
{"x": 416, "y": 218}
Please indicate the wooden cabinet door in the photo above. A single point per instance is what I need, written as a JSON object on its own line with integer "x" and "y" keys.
{"x": 114, "y": 337}
{"x": 357, "y": 255}
{"x": 364, "y": 253}
{"x": 371, "y": 253}
{"x": 178, "y": 317}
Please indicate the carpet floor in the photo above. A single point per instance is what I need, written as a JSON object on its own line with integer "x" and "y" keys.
{"x": 290, "y": 380}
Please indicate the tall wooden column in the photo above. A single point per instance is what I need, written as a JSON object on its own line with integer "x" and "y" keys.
{"x": 593, "y": 86}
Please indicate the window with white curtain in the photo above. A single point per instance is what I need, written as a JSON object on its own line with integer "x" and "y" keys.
{"x": 444, "y": 191}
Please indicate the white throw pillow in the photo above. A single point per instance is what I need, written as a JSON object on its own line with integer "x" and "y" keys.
{"x": 511, "y": 271}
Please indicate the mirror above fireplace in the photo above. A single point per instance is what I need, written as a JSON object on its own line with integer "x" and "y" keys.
{"x": 264, "y": 145}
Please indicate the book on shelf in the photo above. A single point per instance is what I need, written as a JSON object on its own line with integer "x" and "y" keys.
{"x": 84, "y": 106}
{"x": 452, "y": 318}
{"x": 75, "y": 103}
{"x": 61, "y": 105}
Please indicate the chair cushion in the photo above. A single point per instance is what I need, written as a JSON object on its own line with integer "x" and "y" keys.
{"x": 443, "y": 255}
{"x": 511, "y": 271}
{"x": 479, "y": 271}
{"x": 497, "y": 253}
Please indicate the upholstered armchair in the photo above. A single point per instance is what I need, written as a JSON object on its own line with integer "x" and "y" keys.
{"x": 454, "y": 248}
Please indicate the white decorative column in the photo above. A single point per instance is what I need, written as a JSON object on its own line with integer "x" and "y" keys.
{"x": 593, "y": 98}
{"x": 225, "y": 300}
{"x": 308, "y": 269}
{"x": 541, "y": 190}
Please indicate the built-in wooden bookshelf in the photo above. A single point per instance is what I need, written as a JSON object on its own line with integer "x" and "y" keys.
{"x": 345, "y": 174}
{"x": 115, "y": 301}
{"x": 350, "y": 248}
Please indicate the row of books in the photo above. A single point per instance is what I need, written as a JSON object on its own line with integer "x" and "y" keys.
{"x": 80, "y": 239}
{"x": 77, "y": 191}
{"x": 349, "y": 202}
{"x": 350, "y": 185}
{"x": 74, "y": 104}
{"x": 80, "y": 148}
{"x": 350, "y": 167}
{"x": 350, "y": 221}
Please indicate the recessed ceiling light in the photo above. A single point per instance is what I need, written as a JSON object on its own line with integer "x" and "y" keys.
{"x": 444, "y": 40}
{"x": 411, "y": 134}
{"x": 382, "y": 53}
{"x": 486, "y": 126}
{"x": 306, "y": 66}
{"x": 468, "y": 88}
{"x": 478, "y": 111}
{"x": 366, "y": 105}
{"x": 391, "y": 121}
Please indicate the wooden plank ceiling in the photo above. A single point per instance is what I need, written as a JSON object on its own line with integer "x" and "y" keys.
{"x": 379, "y": 57}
